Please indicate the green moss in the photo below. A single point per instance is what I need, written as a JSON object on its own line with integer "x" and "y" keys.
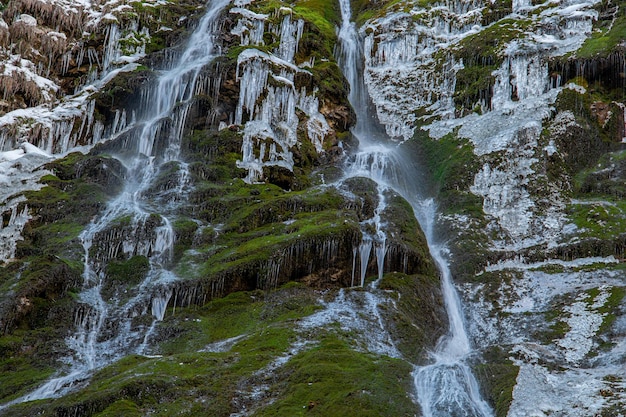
{"x": 20, "y": 371}
{"x": 404, "y": 230}
{"x": 498, "y": 377}
{"x": 127, "y": 273}
{"x": 323, "y": 15}
{"x": 550, "y": 268}
{"x": 184, "y": 231}
{"x": 213, "y": 155}
{"x": 363, "y": 10}
{"x": 606, "y": 37}
{"x": 59, "y": 238}
{"x": 121, "y": 408}
{"x": 237, "y": 314}
{"x": 254, "y": 247}
{"x": 585, "y": 155}
{"x": 557, "y": 330}
{"x": 234, "y": 51}
{"x": 413, "y": 325}
{"x": 604, "y": 220}
{"x": 271, "y": 205}
{"x": 452, "y": 166}
{"x": 334, "y": 380}
{"x": 610, "y": 310}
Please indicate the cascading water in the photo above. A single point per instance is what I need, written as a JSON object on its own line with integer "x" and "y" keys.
{"x": 446, "y": 387}
{"x": 109, "y": 327}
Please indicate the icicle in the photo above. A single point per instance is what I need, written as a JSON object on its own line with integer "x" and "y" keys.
{"x": 381, "y": 251}
{"x": 364, "y": 254}
{"x": 159, "y": 305}
{"x": 354, "y": 252}
{"x": 11, "y": 233}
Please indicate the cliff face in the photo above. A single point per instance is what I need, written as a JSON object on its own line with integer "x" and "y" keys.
{"x": 183, "y": 231}
{"x": 527, "y": 113}
{"x": 174, "y": 195}
{"x": 519, "y": 112}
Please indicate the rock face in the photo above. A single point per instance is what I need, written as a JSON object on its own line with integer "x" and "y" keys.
{"x": 207, "y": 254}
{"x": 181, "y": 172}
{"x": 525, "y": 122}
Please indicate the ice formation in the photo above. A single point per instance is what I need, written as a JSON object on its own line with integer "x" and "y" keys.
{"x": 54, "y": 124}
{"x": 269, "y": 99}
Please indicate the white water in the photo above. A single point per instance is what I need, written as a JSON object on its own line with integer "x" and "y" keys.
{"x": 446, "y": 387}
{"x": 106, "y": 327}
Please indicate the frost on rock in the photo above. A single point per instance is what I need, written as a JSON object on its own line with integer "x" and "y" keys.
{"x": 584, "y": 322}
{"x": 518, "y": 313}
{"x": 522, "y": 99}
{"x": 406, "y": 71}
{"x": 401, "y": 72}
{"x": 268, "y": 98}
{"x": 50, "y": 69}
{"x": 542, "y": 393}
{"x": 357, "y": 312}
{"x": 503, "y": 188}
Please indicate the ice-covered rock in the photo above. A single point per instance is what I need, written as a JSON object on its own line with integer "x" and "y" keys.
{"x": 268, "y": 98}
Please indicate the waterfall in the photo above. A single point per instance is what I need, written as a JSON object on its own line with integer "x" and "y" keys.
{"x": 105, "y": 330}
{"x": 446, "y": 387}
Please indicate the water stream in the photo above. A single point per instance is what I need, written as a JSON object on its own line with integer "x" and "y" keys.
{"x": 109, "y": 327}
{"x": 446, "y": 387}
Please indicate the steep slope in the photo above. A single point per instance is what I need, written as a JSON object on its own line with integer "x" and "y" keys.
{"x": 518, "y": 109}
{"x": 247, "y": 268}
{"x": 152, "y": 272}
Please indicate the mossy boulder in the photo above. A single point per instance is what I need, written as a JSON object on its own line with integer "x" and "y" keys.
{"x": 419, "y": 319}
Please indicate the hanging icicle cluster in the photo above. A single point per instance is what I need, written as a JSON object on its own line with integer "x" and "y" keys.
{"x": 269, "y": 98}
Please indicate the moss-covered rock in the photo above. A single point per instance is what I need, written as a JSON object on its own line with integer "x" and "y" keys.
{"x": 216, "y": 355}
{"x": 498, "y": 376}
{"x": 481, "y": 54}
{"x": 419, "y": 319}
{"x": 39, "y": 289}
{"x": 122, "y": 93}
{"x": 333, "y": 380}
